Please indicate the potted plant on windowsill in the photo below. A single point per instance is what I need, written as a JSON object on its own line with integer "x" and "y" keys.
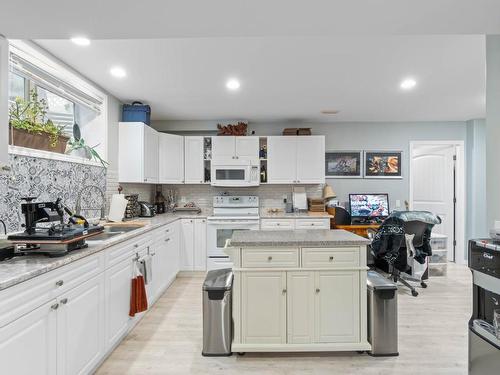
{"x": 78, "y": 147}
{"x": 29, "y": 126}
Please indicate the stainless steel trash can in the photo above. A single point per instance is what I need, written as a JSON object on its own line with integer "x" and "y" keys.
{"x": 382, "y": 315}
{"x": 217, "y": 313}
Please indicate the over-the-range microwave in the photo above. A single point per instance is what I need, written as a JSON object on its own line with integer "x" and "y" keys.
{"x": 235, "y": 173}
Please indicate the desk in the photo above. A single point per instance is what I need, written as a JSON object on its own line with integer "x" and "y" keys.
{"x": 359, "y": 229}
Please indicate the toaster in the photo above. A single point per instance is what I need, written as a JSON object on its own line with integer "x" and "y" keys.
{"x": 147, "y": 209}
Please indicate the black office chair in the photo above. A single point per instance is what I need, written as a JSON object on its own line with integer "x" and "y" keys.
{"x": 389, "y": 246}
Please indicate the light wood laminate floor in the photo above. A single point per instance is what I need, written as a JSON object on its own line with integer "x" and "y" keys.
{"x": 432, "y": 338}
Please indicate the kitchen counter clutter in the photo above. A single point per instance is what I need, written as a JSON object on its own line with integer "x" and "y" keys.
{"x": 299, "y": 290}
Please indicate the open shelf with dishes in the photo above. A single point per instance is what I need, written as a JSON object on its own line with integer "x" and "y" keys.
{"x": 207, "y": 159}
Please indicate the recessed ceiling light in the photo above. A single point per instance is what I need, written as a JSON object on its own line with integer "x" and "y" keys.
{"x": 408, "y": 84}
{"x": 118, "y": 72}
{"x": 233, "y": 84}
{"x": 329, "y": 111}
{"x": 80, "y": 41}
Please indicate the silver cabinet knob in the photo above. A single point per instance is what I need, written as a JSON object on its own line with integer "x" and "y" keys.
{"x": 317, "y": 290}
{"x": 269, "y": 258}
{"x": 167, "y": 239}
{"x": 312, "y": 224}
{"x": 278, "y": 224}
{"x": 167, "y": 230}
{"x": 136, "y": 246}
{"x": 55, "y": 306}
{"x": 64, "y": 301}
{"x": 59, "y": 283}
{"x": 331, "y": 258}
{"x": 283, "y": 291}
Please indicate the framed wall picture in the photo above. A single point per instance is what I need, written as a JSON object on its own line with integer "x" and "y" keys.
{"x": 343, "y": 164}
{"x": 383, "y": 164}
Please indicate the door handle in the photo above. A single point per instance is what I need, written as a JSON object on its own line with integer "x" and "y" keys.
{"x": 55, "y": 306}
{"x": 64, "y": 301}
{"x": 331, "y": 258}
{"x": 167, "y": 239}
{"x": 317, "y": 290}
{"x": 283, "y": 291}
{"x": 59, "y": 283}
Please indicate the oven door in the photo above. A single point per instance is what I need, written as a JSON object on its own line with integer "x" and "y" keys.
{"x": 218, "y": 232}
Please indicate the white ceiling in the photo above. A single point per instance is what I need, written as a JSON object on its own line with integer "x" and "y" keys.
{"x": 125, "y": 19}
{"x": 292, "y": 77}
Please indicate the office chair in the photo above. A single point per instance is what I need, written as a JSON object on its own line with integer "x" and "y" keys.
{"x": 389, "y": 246}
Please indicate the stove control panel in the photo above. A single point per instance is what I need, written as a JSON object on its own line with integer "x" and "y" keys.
{"x": 236, "y": 201}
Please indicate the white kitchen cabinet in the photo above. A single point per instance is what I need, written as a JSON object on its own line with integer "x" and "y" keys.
{"x": 310, "y": 159}
{"x": 137, "y": 153}
{"x": 263, "y": 304}
{"x": 193, "y": 160}
{"x": 118, "y": 284}
{"x": 193, "y": 245}
{"x": 291, "y": 224}
{"x": 337, "y": 307}
{"x": 296, "y": 160}
{"x": 80, "y": 328}
{"x": 229, "y": 147}
{"x": 28, "y": 345}
{"x": 300, "y": 307}
{"x": 281, "y": 160}
{"x": 171, "y": 159}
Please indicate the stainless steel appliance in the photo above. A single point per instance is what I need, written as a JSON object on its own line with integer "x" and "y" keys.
{"x": 217, "y": 315}
{"x": 235, "y": 173}
{"x": 230, "y": 213}
{"x": 484, "y": 341}
{"x": 147, "y": 209}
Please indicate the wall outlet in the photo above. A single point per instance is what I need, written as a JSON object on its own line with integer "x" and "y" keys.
{"x": 398, "y": 203}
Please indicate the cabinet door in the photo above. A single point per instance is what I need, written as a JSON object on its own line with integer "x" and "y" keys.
{"x": 193, "y": 160}
{"x": 187, "y": 245}
{"x": 172, "y": 256}
{"x": 80, "y": 328}
{"x": 171, "y": 158}
{"x": 300, "y": 307}
{"x": 263, "y": 307}
{"x": 247, "y": 148}
{"x": 150, "y": 154}
{"x": 118, "y": 284}
{"x": 158, "y": 266}
{"x": 200, "y": 245}
{"x": 281, "y": 160}
{"x": 311, "y": 160}
{"x": 337, "y": 306}
{"x": 28, "y": 344}
{"x": 223, "y": 148}
{"x": 131, "y": 152}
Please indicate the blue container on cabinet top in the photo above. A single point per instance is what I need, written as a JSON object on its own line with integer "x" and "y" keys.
{"x": 136, "y": 112}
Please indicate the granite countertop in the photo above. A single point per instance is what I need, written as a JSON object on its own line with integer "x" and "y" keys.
{"x": 22, "y": 268}
{"x": 266, "y": 214}
{"x": 296, "y": 238}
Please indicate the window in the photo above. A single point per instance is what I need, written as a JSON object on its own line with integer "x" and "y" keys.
{"x": 17, "y": 87}
{"x": 60, "y": 110}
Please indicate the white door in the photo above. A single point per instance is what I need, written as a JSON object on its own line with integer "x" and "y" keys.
{"x": 150, "y": 154}
{"x": 337, "y": 315}
{"x": 281, "y": 160}
{"x": 193, "y": 160}
{"x": 28, "y": 344}
{"x": 171, "y": 158}
{"x": 223, "y": 148}
{"x": 263, "y": 307}
{"x": 118, "y": 284}
{"x": 247, "y": 148}
{"x": 187, "y": 245}
{"x": 200, "y": 245}
{"x": 80, "y": 328}
{"x": 300, "y": 307}
{"x": 311, "y": 159}
{"x": 432, "y": 185}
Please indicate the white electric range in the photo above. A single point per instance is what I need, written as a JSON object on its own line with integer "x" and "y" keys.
{"x": 237, "y": 212}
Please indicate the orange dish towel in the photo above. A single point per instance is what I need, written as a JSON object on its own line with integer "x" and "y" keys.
{"x": 138, "y": 296}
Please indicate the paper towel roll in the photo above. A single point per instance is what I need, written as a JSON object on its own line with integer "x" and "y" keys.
{"x": 117, "y": 207}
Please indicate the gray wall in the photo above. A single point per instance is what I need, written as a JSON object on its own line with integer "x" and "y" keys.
{"x": 493, "y": 128}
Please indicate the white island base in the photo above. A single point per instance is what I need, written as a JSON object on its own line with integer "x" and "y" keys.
{"x": 298, "y": 291}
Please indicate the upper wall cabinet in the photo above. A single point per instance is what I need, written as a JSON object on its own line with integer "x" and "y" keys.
{"x": 193, "y": 160}
{"x": 171, "y": 159}
{"x": 228, "y": 147}
{"x": 138, "y": 153}
{"x": 296, "y": 160}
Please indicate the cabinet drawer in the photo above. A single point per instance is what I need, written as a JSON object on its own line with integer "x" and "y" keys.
{"x": 278, "y": 224}
{"x": 312, "y": 224}
{"x": 270, "y": 257}
{"x": 330, "y": 257}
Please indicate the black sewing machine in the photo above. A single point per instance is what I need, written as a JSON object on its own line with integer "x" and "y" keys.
{"x": 46, "y": 232}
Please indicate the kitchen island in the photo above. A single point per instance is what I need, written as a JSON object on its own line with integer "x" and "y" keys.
{"x": 299, "y": 291}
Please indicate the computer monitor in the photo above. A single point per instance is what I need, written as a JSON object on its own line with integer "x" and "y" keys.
{"x": 366, "y": 207}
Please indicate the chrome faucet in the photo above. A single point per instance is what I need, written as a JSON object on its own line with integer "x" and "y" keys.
{"x": 79, "y": 208}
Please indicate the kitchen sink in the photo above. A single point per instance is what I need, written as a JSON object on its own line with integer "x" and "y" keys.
{"x": 120, "y": 228}
{"x": 103, "y": 236}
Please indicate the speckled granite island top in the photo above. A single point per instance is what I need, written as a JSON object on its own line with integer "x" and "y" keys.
{"x": 19, "y": 269}
{"x": 296, "y": 238}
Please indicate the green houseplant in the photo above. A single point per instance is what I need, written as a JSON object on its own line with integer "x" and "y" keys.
{"x": 29, "y": 126}
{"x": 77, "y": 145}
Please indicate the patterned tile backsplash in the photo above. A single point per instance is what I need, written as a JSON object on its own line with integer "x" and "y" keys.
{"x": 47, "y": 180}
